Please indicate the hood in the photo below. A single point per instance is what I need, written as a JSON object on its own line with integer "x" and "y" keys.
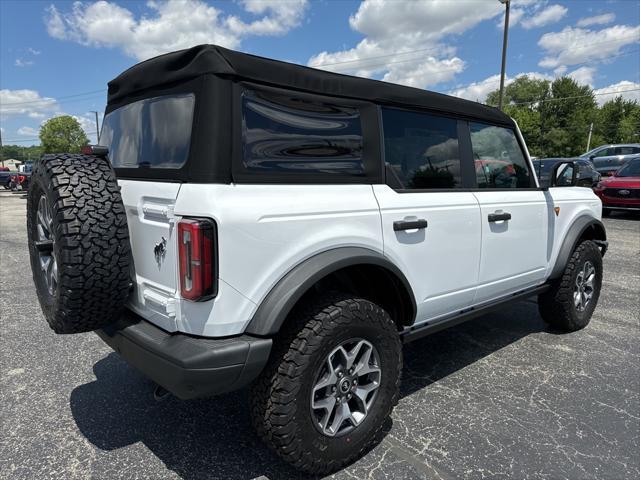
{"x": 621, "y": 182}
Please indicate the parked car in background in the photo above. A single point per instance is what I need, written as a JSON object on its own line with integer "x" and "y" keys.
{"x": 621, "y": 191}
{"x": 609, "y": 158}
{"x": 587, "y": 175}
{"x": 19, "y": 181}
{"x": 5, "y": 178}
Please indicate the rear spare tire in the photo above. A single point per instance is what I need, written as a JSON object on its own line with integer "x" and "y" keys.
{"x": 78, "y": 242}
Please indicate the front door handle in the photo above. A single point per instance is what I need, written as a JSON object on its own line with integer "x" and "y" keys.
{"x": 497, "y": 217}
{"x": 409, "y": 224}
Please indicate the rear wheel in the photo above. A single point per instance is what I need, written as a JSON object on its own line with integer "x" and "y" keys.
{"x": 570, "y": 303}
{"x": 332, "y": 380}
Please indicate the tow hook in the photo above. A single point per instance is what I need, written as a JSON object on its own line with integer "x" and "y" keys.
{"x": 161, "y": 393}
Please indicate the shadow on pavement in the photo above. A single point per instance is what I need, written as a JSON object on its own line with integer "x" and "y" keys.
{"x": 213, "y": 438}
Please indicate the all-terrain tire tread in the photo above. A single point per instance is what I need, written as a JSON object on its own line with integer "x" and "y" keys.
{"x": 92, "y": 238}
{"x": 556, "y": 305}
{"x": 274, "y": 392}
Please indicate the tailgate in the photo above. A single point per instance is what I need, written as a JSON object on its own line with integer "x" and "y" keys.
{"x": 149, "y": 207}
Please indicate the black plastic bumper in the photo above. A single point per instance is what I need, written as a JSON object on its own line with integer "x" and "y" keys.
{"x": 188, "y": 367}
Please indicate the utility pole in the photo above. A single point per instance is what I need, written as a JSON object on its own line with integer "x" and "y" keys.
{"x": 97, "y": 127}
{"x": 507, "y": 4}
{"x": 1, "y": 149}
{"x": 589, "y": 139}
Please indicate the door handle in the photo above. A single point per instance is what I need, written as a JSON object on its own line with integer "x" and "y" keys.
{"x": 497, "y": 217}
{"x": 409, "y": 224}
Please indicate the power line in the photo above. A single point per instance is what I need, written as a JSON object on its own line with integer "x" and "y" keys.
{"x": 376, "y": 57}
{"x": 49, "y": 99}
{"x": 616, "y": 93}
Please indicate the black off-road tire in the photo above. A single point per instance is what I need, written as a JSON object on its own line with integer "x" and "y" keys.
{"x": 280, "y": 397}
{"x": 90, "y": 241}
{"x": 557, "y": 306}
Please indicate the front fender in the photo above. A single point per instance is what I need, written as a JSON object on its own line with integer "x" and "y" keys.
{"x": 582, "y": 227}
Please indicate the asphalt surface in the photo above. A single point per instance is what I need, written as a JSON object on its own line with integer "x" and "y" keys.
{"x": 499, "y": 397}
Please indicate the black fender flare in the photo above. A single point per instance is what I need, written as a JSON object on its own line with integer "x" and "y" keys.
{"x": 576, "y": 231}
{"x": 275, "y": 307}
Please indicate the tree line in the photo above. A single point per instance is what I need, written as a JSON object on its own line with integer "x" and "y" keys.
{"x": 555, "y": 118}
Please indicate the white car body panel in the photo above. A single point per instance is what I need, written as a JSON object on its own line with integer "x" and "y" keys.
{"x": 263, "y": 232}
{"x": 440, "y": 261}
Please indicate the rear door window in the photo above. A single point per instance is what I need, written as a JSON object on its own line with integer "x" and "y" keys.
{"x": 499, "y": 160}
{"x": 150, "y": 133}
{"x": 287, "y": 133}
{"x": 421, "y": 150}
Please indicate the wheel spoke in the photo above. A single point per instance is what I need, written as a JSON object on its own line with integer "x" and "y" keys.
{"x": 328, "y": 379}
{"x": 44, "y": 246}
{"x": 577, "y": 299}
{"x": 342, "y": 412}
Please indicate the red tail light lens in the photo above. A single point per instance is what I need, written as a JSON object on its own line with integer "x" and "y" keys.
{"x": 197, "y": 257}
{"x": 21, "y": 178}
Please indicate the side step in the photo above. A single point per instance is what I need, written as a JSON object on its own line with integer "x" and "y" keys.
{"x": 424, "y": 329}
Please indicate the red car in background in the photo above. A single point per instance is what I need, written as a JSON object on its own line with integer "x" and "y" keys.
{"x": 621, "y": 191}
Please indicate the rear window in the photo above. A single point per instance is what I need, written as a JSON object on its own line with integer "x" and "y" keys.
{"x": 150, "y": 133}
{"x": 289, "y": 133}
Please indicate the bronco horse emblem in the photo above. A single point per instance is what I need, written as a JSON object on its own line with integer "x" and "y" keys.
{"x": 160, "y": 250}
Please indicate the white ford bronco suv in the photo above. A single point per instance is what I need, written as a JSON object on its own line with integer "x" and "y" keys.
{"x": 246, "y": 221}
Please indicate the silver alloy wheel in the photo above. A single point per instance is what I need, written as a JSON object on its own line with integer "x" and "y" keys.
{"x": 583, "y": 290}
{"x": 44, "y": 245}
{"x": 345, "y": 387}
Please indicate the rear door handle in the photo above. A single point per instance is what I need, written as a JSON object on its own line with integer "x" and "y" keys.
{"x": 409, "y": 224}
{"x": 497, "y": 217}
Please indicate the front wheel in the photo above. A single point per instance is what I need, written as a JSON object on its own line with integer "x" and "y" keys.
{"x": 332, "y": 380}
{"x": 570, "y": 303}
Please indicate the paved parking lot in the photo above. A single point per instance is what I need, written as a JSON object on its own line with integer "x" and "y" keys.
{"x": 499, "y": 397}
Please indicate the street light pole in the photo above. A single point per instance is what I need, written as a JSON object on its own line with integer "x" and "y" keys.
{"x": 97, "y": 127}
{"x": 507, "y": 4}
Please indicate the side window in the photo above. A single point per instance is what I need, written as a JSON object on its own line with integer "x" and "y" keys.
{"x": 499, "y": 161}
{"x": 421, "y": 150}
{"x": 605, "y": 152}
{"x": 289, "y": 133}
{"x": 635, "y": 150}
{"x": 624, "y": 150}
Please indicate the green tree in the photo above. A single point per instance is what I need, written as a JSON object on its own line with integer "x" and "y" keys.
{"x": 62, "y": 134}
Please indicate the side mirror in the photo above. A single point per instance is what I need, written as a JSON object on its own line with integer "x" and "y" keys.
{"x": 564, "y": 174}
{"x": 591, "y": 157}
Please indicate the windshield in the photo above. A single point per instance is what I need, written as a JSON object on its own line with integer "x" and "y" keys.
{"x": 631, "y": 169}
{"x": 152, "y": 133}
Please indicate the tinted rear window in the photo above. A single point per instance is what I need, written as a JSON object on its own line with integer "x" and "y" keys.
{"x": 154, "y": 132}
{"x": 421, "y": 149}
{"x": 287, "y": 133}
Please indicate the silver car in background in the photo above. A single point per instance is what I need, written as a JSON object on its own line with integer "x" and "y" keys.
{"x": 608, "y": 158}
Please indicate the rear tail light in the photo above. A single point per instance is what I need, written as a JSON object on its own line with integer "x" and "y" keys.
{"x": 21, "y": 178}
{"x": 197, "y": 257}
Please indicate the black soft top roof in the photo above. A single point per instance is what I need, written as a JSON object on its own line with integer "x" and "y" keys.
{"x": 183, "y": 65}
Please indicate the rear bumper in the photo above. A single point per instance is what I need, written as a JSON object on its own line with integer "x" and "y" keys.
{"x": 187, "y": 366}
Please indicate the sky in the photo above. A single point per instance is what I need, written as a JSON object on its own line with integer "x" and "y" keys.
{"x": 56, "y": 57}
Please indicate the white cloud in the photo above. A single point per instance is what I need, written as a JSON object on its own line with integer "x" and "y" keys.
{"x": 596, "y": 20}
{"x": 28, "y": 132}
{"x": 478, "y": 91}
{"x": 405, "y": 40}
{"x": 551, "y": 14}
{"x": 618, "y": 89}
{"x": 25, "y": 102}
{"x": 279, "y": 17}
{"x": 33, "y": 51}
{"x": 23, "y": 63}
{"x": 576, "y": 45}
{"x": 170, "y": 25}
{"x": 583, "y": 75}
